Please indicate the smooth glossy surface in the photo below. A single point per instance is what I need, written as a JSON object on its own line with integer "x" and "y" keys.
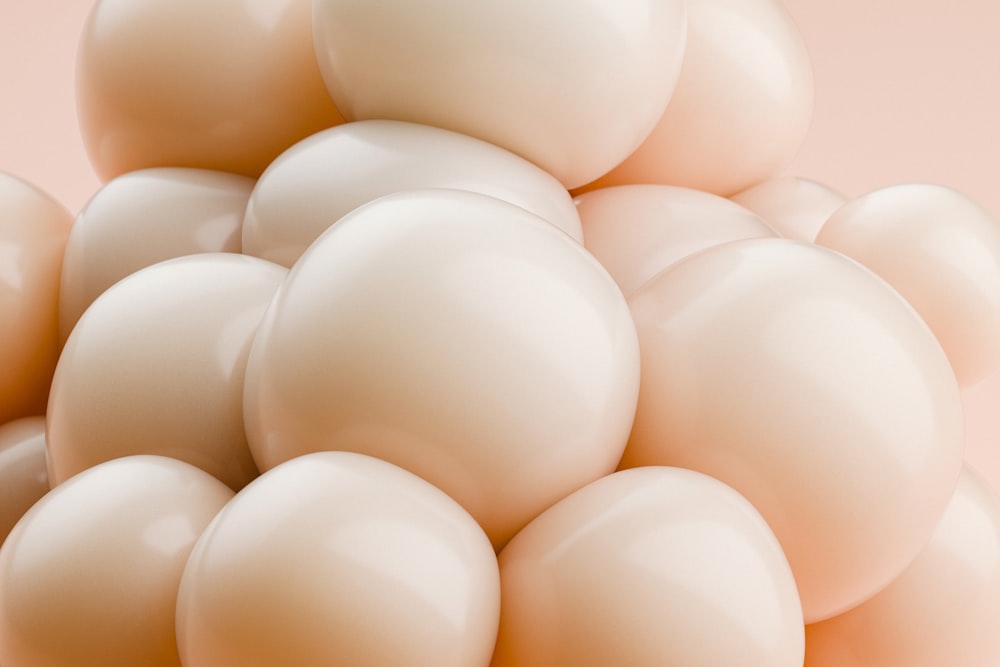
{"x": 796, "y": 208}
{"x": 742, "y": 104}
{"x": 145, "y": 217}
{"x": 224, "y": 85}
{"x": 572, "y": 85}
{"x": 943, "y": 610}
{"x": 324, "y": 177}
{"x": 941, "y": 251}
{"x": 457, "y": 336}
{"x": 156, "y": 364}
{"x": 636, "y": 231}
{"x": 653, "y": 566}
{"x": 89, "y": 578}
{"x": 340, "y": 559}
{"x": 33, "y": 231}
{"x": 23, "y": 478}
{"x": 810, "y": 386}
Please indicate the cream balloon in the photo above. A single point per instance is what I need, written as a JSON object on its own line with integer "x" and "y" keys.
{"x": 89, "y": 576}
{"x": 810, "y": 386}
{"x": 742, "y": 106}
{"x": 982, "y": 428}
{"x": 942, "y": 252}
{"x": 324, "y": 177}
{"x": 574, "y": 86}
{"x": 636, "y": 231}
{"x": 795, "y": 207}
{"x": 459, "y": 337}
{"x": 156, "y": 364}
{"x": 337, "y": 558}
{"x": 23, "y": 477}
{"x": 145, "y": 217}
{"x": 224, "y": 85}
{"x": 651, "y": 566}
{"x": 33, "y": 231}
{"x": 944, "y": 609}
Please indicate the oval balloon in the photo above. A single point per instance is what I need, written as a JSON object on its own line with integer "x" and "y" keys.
{"x": 23, "y": 477}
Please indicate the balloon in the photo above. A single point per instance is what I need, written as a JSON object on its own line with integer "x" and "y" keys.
{"x": 225, "y": 85}
{"x": 795, "y": 207}
{"x": 942, "y": 252}
{"x": 340, "y": 559}
{"x": 651, "y": 566}
{"x": 944, "y": 609}
{"x": 23, "y": 478}
{"x": 322, "y": 178}
{"x": 982, "y": 428}
{"x": 145, "y": 217}
{"x": 156, "y": 364}
{"x": 636, "y": 231}
{"x": 33, "y": 231}
{"x": 806, "y": 383}
{"x": 573, "y": 86}
{"x": 742, "y": 105}
{"x": 89, "y": 576}
{"x": 459, "y": 337}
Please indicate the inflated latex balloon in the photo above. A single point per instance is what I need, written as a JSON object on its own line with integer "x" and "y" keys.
{"x": 23, "y": 477}
{"x": 145, "y": 217}
{"x": 942, "y": 252}
{"x": 795, "y": 207}
{"x": 636, "y": 231}
{"x": 652, "y": 566}
{"x": 156, "y": 364}
{"x": 572, "y": 85}
{"x": 810, "y": 386}
{"x": 224, "y": 85}
{"x": 742, "y": 104}
{"x": 324, "y": 177}
{"x": 944, "y": 609}
{"x": 457, "y": 336}
{"x": 89, "y": 576}
{"x": 33, "y": 231}
{"x": 982, "y": 428}
{"x": 340, "y": 559}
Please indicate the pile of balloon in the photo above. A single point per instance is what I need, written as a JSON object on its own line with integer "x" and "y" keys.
{"x": 468, "y": 334}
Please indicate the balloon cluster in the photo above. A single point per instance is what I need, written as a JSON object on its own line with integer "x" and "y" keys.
{"x": 535, "y": 359}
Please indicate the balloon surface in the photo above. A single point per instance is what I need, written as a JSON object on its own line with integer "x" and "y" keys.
{"x": 796, "y": 208}
{"x": 23, "y": 477}
{"x": 156, "y": 365}
{"x": 322, "y": 178}
{"x": 459, "y": 337}
{"x": 572, "y": 85}
{"x": 806, "y": 383}
{"x": 651, "y": 566}
{"x": 89, "y": 576}
{"x": 340, "y": 559}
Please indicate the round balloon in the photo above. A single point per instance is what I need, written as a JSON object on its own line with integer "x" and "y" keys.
{"x": 459, "y": 337}
{"x": 339, "y": 559}
{"x": 89, "y": 576}
{"x": 23, "y": 477}
{"x": 795, "y": 207}
{"x": 805, "y": 382}
{"x": 572, "y": 85}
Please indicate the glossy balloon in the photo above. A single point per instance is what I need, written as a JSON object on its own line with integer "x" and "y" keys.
{"x": 943, "y": 610}
{"x": 340, "y": 559}
{"x": 742, "y": 104}
{"x": 458, "y": 336}
{"x": 156, "y": 364}
{"x": 33, "y": 231}
{"x": 23, "y": 478}
{"x": 942, "y": 252}
{"x": 795, "y": 207}
{"x": 810, "y": 386}
{"x": 224, "y": 85}
{"x": 89, "y": 577}
{"x": 145, "y": 217}
{"x": 636, "y": 231}
{"x": 652, "y": 566}
{"x": 324, "y": 177}
{"x": 572, "y": 85}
